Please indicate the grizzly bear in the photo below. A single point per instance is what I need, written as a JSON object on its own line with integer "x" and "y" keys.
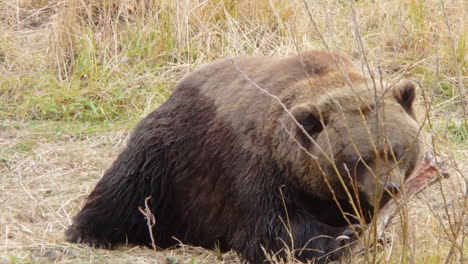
{"x": 262, "y": 155}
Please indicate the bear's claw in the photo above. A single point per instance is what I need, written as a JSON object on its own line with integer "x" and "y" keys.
{"x": 343, "y": 238}
{"x": 350, "y": 233}
{"x": 353, "y": 230}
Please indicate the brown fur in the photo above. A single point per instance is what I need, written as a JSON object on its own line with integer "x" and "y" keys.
{"x": 311, "y": 78}
{"x": 223, "y": 161}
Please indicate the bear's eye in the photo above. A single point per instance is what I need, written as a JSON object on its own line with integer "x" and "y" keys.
{"x": 359, "y": 164}
{"x": 363, "y": 161}
{"x": 366, "y": 160}
{"x": 398, "y": 153}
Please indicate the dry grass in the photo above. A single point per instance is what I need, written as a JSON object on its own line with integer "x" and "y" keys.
{"x": 44, "y": 183}
{"x": 75, "y": 75}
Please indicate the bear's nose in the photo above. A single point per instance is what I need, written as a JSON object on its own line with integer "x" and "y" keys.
{"x": 392, "y": 187}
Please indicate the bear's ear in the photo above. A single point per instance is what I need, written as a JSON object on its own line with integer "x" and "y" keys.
{"x": 405, "y": 93}
{"x": 310, "y": 117}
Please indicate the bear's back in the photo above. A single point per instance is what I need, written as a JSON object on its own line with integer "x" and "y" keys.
{"x": 246, "y": 91}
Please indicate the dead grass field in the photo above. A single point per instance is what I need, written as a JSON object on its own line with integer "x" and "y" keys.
{"x": 76, "y": 75}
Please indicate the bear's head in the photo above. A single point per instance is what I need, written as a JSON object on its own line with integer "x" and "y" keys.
{"x": 366, "y": 141}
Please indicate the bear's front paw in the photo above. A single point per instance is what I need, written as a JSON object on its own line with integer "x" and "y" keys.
{"x": 350, "y": 234}
{"x": 76, "y": 235}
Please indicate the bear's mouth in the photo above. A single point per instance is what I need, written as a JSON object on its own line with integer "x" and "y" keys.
{"x": 427, "y": 174}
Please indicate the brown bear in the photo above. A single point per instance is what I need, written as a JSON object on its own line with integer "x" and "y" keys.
{"x": 262, "y": 155}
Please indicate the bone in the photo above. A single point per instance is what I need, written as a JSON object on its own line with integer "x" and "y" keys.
{"x": 428, "y": 173}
